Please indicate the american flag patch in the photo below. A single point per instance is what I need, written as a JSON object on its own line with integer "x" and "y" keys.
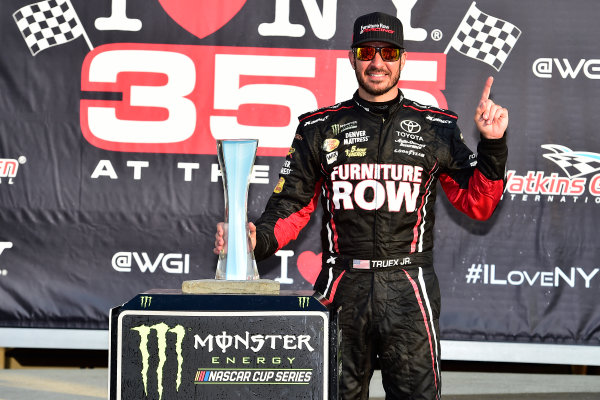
{"x": 361, "y": 264}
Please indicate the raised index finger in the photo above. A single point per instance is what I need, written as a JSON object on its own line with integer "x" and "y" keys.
{"x": 487, "y": 88}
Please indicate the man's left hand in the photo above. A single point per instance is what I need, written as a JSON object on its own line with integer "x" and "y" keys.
{"x": 490, "y": 118}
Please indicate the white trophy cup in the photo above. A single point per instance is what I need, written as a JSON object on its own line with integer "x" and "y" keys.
{"x": 236, "y": 260}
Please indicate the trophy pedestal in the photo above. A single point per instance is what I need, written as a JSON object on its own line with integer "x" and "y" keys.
{"x": 220, "y": 286}
{"x": 165, "y": 344}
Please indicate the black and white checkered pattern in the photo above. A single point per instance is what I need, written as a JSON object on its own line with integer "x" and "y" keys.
{"x": 48, "y": 23}
{"x": 574, "y": 163}
{"x": 485, "y": 38}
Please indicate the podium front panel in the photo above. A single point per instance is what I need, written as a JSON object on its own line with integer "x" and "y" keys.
{"x": 223, "y": 354}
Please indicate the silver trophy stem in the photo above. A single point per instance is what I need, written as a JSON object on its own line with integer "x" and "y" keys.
{"x": 236, "y": 158}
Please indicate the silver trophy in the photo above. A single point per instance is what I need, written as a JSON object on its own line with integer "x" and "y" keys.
{"x": 236, "y": 158}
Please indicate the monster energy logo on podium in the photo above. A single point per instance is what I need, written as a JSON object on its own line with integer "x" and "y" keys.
{"x": 303, "y": 302}
{"x": 161, "y": 337}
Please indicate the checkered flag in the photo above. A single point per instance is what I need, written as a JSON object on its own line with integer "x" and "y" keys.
{"x": 574, "y": 163}
{"x": 485, "y": 38}
{"x": 49, "y": 23}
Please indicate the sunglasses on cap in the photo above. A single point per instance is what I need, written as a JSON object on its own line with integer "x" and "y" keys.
{"x": 367, "y": 53}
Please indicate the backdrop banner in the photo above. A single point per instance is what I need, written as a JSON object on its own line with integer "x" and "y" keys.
{"x": 110, "y": 185}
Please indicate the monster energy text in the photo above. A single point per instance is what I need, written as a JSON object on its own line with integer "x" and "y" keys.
{"x": 253, "y": 342}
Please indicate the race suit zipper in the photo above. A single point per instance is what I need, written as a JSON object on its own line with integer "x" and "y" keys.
{"x": 376, "y": 241}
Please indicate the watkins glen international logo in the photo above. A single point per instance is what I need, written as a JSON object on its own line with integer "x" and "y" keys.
{"x": 161, "y": 330}
{"x": 580, "y": 185}
{"x": 574, "y": 163}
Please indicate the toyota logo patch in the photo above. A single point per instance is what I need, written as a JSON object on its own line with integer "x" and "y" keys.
{"x": 409, "y": 126}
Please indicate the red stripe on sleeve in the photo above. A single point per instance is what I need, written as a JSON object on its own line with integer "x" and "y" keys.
{"x": 479, "y": 200}
{"x": 431, "y": 111}
{"x": 324, "y": 111}
{"x": 287, "y": 229}
{"x": 334, "y": 234}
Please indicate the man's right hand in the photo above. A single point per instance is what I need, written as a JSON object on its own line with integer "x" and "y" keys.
{"x": 220, "y": 240}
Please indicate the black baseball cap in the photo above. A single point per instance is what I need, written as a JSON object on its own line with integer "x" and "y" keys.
{"x": 378, "y": 27}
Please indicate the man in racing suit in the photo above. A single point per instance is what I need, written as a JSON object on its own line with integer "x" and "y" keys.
{"x": 374, "y": 162}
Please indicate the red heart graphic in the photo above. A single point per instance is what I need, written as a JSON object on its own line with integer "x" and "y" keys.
{"x": 201, "y": 18}
{"x": 309, "y": 265}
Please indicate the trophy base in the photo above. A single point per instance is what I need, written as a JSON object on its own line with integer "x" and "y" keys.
{"x": 220, "y": 286}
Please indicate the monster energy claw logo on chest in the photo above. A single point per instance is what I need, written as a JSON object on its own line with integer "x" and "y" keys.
{"x": 161, "y": 330}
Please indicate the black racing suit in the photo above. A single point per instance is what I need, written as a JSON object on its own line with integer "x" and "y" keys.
{"x": 375, "y": 172}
